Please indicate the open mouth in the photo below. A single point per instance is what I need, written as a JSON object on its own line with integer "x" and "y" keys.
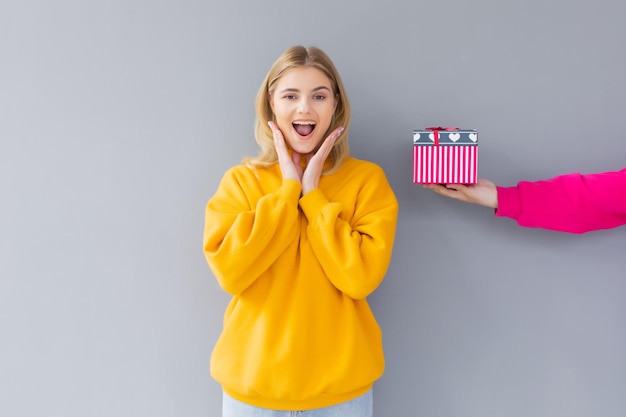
{"x": 304, "y": 128}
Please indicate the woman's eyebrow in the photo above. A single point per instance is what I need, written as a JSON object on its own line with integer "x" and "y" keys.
{"x": 295, "y": 90}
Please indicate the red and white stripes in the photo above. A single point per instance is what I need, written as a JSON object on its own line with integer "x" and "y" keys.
{"x": 453, "y": 164}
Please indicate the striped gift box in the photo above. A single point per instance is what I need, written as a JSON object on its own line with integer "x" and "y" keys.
{"x": 445, "y": 156}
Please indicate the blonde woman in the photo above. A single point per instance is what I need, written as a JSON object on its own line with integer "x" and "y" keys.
{"x": 299, "y": 236}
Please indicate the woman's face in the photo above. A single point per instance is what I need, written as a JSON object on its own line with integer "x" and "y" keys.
{"x": 303, "y": 104}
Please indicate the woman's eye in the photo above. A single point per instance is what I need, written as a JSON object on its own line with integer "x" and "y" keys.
{"x": 319, "y": 97}
{"x": 289, "y": 97}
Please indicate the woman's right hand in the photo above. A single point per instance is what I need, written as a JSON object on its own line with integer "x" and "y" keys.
{"x": 289, "y": 164}
{"x": 484, "y": 192}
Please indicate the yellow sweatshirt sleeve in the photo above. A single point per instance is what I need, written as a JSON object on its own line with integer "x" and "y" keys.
{"x": 354, "y": 253}
{"x": 240, "y": 223}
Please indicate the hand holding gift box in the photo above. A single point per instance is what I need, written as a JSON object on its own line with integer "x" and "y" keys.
{"x": 443, "y": 155}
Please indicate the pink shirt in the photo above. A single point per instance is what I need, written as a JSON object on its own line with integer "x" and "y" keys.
{"x": 573, "y": 203}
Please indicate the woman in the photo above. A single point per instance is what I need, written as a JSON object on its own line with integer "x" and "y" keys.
{"x": 573, "y": 203}
{"x": 300, "y": 236}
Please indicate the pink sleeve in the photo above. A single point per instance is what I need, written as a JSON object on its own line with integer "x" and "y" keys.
{"x": 573, "y": 203}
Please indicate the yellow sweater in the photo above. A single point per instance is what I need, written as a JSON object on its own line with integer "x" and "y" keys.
{"x": 298, "y": 333}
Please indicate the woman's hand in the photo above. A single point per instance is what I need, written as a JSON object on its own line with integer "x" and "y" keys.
{"x": 484, "y": 192}
{"x": 289, "y": 165}
{"x": 315, "y": 164}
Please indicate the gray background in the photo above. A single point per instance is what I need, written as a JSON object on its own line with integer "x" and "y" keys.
{"x": 118, "y": 118}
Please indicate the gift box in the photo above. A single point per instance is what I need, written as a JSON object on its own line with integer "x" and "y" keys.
{"x": 445, "y": 155}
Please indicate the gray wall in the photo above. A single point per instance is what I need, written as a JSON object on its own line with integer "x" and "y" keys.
{"x": 118, "y": 118}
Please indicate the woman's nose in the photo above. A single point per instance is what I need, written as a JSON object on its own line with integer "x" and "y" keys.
{"x": 303, "y": 106}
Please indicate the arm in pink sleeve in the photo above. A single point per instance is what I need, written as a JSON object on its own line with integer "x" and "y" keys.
{"x": 573, "y": 203}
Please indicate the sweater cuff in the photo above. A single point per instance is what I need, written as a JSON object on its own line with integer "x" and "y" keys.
{"x": 508, "y": 202}
{"x": 290, "y": 191}
{"x": 312, "y": 203}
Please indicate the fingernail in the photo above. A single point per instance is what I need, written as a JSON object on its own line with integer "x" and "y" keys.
{"x": 341, "y": 128}
{"x": 271, "y": 124}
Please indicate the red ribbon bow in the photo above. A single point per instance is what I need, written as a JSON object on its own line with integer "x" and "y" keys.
{"x": 436, "y": 132}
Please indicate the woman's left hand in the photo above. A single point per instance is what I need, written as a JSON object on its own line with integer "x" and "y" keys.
{"x": 315, "y": 164}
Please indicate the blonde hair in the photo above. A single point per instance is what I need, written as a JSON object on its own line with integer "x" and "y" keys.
{"x": 295, "y": 57}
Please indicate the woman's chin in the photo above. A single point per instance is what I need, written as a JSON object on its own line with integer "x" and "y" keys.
{"x": 302, "y": 151}
{"x": 303, "y": 147}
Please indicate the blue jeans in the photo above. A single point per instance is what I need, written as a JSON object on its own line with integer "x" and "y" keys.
{"x": 359, "y": 407}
